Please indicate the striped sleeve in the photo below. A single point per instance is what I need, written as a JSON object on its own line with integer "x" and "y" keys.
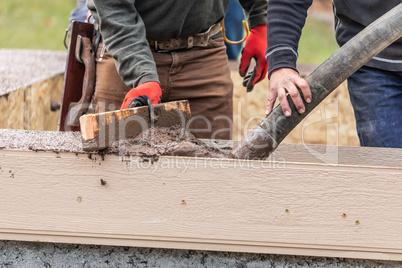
{"x": 285, "y": 21}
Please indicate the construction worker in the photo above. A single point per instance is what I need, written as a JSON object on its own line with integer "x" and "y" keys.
{"x": 173, "y": 50}
{"x": 375, "y": 89}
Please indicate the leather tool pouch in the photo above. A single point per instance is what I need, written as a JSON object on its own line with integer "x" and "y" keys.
{"x": 79, "y": 78}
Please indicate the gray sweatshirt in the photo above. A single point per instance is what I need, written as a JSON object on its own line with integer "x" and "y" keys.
{"x": 286, "y": 19}
{"x": 126, "y": 25}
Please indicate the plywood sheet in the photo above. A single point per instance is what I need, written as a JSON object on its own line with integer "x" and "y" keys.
{"x": 30, "y": 107}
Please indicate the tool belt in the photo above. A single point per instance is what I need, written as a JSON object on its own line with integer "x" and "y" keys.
{"x": 79, "y": 80}
{"x": 198, "y": 40}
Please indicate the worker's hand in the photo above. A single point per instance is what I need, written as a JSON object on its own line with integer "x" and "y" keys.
{"x": 255, "y": 47}
{"x": 140, "y": 95}
{"x": 283, "y": 81}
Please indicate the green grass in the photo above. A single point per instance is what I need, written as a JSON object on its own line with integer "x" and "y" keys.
{"x": 40, "y": 24}
{"x": 34, "y": 24}
{"x": 317, "y": 42}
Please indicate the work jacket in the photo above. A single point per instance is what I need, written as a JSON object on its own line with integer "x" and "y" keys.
{"x": 126, "y": 25}
{"x": 286, "y": 20}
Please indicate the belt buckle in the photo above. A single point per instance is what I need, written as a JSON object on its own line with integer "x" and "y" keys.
{"x": 156, "y": 46}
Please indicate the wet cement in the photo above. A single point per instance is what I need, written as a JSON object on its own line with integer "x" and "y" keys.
{"x": 166, "y": 141}
{"x": 154, "y": 142}
{"x": 20, "y": 68}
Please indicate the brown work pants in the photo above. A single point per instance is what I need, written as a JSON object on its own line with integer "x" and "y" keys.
{"x": 200, "y": 75}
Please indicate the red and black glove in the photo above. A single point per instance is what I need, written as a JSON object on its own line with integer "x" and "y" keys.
{"x": 255, "y": 47}
{"x": 140, "y": 95}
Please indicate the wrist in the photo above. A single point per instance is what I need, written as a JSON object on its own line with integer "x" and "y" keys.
{"x": 146, "y": 79}
{"x": 283, "y": 72}
{"x": 259, "y": 28}
{"x": 149, "y": 88}
{"x": 149, "y": 84}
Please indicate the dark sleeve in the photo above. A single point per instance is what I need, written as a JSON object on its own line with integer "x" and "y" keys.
{"x": 123, "y": 32}
{"x": 256, "y": 11}
{"x": 285, "y": 20}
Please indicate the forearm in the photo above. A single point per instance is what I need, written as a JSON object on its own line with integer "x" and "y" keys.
{"x": 256, "y": 11}
{"x": 285, "y": 20}
{"x": 123, "y": 32}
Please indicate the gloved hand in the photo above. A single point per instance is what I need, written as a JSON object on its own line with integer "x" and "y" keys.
{"x": 140, "y": 95}
{"x": 255, "y": 47}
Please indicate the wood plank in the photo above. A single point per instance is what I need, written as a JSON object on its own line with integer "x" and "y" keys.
{"x": 326, "y": 154}
{"x": 210, "y": 204}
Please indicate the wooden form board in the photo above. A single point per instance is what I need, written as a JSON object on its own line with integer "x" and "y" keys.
{"x": 30, "y": 107}
{"x": 281, "y": 207}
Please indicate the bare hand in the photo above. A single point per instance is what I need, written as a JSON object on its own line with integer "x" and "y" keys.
{"x": 283, "y": 81}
